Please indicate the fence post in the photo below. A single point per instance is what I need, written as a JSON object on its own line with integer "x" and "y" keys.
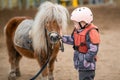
{"x": 20, "y": 4}
{"x": 10, "y": 4}
{"x": 80, "y": 2}
{"x": 91, "y": 1}
{"x": 74, "y": 3}
{"x": 110, "y": 1}
{"x": 41, "y": 1}
{"x": 2, "y": 4}
{"x": 36, "y": 3}
{"x": 27, "y": 4}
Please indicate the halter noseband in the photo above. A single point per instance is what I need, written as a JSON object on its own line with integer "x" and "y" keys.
{"x": 59, "y": 38}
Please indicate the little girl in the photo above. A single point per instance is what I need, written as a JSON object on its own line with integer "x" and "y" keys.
{"x": 85, "y": 40}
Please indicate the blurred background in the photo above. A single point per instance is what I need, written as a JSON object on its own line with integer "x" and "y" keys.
{"x": 106, "y": 17}
{"x": 11, "y": 8}
{"x": 27, "y": 4}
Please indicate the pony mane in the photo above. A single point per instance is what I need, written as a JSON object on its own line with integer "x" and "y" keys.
{"x": 47, "y": 12}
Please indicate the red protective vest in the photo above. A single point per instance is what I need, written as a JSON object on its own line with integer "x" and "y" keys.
{"x": 80, "y": 38}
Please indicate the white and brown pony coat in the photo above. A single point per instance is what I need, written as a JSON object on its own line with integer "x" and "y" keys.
{"x": 49, "y": 22}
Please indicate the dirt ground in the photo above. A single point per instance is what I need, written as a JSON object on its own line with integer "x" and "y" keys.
{"x": 108, "y": 65}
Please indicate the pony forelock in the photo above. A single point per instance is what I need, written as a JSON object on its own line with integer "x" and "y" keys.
{"x": 47, "y": 12}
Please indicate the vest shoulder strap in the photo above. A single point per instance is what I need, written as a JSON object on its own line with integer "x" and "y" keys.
{"x": 89, "y": 39}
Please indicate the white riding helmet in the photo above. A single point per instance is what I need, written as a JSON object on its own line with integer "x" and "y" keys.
{"x": 82, "y": 14}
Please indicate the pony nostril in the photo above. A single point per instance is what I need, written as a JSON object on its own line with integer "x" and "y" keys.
{"x": 54, "y": 38}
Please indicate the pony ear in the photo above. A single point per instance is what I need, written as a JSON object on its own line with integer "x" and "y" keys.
{"x": 46, "y": 24}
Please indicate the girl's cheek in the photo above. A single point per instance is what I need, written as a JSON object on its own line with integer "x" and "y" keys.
{"x": 77, "y": 27}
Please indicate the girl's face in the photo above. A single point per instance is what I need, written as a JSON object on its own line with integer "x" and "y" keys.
{"x": 76, "y": 25}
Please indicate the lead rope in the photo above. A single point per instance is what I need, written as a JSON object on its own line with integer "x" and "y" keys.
{"x": 48, "y": 58}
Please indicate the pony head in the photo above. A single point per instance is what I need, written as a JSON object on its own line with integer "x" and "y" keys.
{"x": 51, "y": 19}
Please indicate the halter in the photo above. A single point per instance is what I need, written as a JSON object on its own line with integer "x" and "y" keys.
{"x": 47, "y": 33}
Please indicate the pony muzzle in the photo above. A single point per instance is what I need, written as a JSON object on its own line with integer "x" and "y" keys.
{"x": 54, "y": 38}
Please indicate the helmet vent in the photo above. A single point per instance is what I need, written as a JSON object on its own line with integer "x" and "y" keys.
{"x": 79, "y": 9}
{"x": 83, "y": 8}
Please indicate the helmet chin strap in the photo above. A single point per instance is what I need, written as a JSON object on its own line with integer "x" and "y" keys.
{"x": 83, "y": 27}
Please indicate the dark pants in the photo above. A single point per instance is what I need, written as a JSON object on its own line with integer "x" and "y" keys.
{"x": 86, "y": 75}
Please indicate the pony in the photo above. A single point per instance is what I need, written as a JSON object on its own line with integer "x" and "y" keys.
{"x": 38, "y": 38}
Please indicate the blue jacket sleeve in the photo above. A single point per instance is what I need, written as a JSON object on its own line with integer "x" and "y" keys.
{"x": 92, "y": 50}
{"x": 90, "y": 55}
{"x": 68, "y": 39}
